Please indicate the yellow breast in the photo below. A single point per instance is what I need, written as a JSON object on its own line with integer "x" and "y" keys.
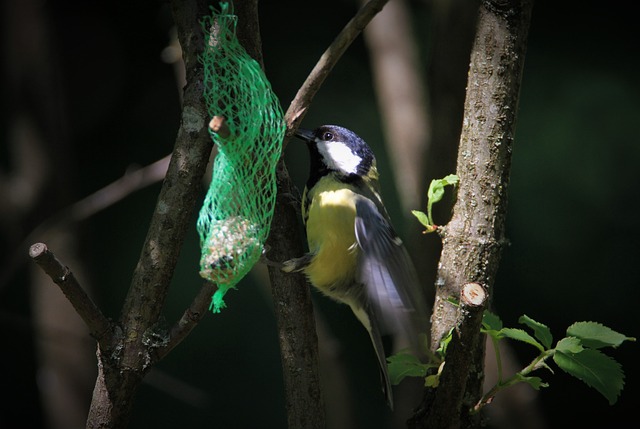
{"x": 331, "y": 235}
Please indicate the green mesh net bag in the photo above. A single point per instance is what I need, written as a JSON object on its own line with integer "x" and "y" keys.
{"x": 236, "y": 215}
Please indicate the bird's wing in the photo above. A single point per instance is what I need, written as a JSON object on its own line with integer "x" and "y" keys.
{"x": 390, "y": 279}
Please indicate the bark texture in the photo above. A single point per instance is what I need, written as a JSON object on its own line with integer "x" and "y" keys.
{"x": 473, "y": 239}
{"x": 126, "y": 358}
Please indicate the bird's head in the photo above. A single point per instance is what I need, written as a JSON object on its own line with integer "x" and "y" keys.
{"x": 335, "y": 149}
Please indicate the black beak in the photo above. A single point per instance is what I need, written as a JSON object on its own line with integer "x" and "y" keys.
{"x": 306, "y": 135}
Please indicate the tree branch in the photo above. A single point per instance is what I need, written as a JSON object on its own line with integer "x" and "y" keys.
{"x": 291, "y": 295}
{"x": 123, "y": 362}
{"x": 473, "y": 239}
{"x": 294, "y": 314}
{"x": 132, "y": 181}
{"x": 298, "y": 107}
{"x": 177, "y": 198}
{"x": 99, "y": 326}
{"x": 190, "y": 318}
{"x": 122, "y": 367}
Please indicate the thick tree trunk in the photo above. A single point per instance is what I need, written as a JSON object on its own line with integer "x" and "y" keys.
{"x": 473, "y": 239}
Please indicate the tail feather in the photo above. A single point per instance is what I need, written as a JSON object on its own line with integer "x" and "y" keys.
{"x": 366, "y": 316}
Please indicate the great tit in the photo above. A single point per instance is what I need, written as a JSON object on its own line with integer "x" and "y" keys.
{"x": 355, "y": 256}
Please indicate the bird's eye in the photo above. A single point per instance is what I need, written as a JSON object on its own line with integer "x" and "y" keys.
{"x": 327, "y": 136}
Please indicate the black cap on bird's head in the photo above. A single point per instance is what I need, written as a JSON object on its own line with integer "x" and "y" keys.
{"x": 337, "y": 149}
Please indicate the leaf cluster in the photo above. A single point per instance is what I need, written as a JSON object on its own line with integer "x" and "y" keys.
{"x": 579, "y": 353}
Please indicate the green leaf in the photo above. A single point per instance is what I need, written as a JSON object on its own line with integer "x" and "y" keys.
{"x": 596, "y": 335}
{"x": 422, "y": 217}
{"x": 595, "y": 369}
{"x": 491, "y": 321}
{"x": 444, "y": 343}
{"x": 451, "y": 179}
{"x": 432, "y": 380}
{"x": 436, "y": 191}
{"x": 569, "y": 345}
{"x": 436, "y": 188}
{"x": 520, "y": 335}
{"x": 535, "y": 382}
{"x": 453, "y": 301}
{"x": 404, "y": 365}
{"x": 540, "y": 331}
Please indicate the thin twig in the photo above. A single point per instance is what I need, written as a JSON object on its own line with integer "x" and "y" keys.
{"x": 219, "y": 126}
{"x": 99, "y": 326}
{"x": 190, "y": 318}
{"x": 132, "y": 181}
{"x": 298, "y": 107}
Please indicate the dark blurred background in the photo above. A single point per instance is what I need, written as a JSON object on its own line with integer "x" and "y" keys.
{"x": 90, "y": 90}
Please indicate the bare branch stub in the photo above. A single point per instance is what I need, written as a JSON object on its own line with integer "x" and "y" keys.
{"x": 473, "y": 295}
{"x": 98, "y": 324}
{"x": 219, "y": 126}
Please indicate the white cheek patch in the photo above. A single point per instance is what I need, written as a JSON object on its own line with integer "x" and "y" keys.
{"x": 338, "y": 156}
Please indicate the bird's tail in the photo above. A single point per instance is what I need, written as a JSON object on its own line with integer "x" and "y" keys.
{"x": 370, "y": 322}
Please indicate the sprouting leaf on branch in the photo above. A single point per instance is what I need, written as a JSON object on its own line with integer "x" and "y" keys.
{"x": 423, "y": 218}
{"x": 436, "y": 188}
{"x": 434, "y": 194}
{"x": 444, "y": 343}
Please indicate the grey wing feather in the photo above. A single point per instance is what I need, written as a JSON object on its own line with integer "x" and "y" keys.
{"x": 390, "y": 279}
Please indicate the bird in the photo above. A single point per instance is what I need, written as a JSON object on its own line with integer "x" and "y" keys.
{"x": 354, "y": 255}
